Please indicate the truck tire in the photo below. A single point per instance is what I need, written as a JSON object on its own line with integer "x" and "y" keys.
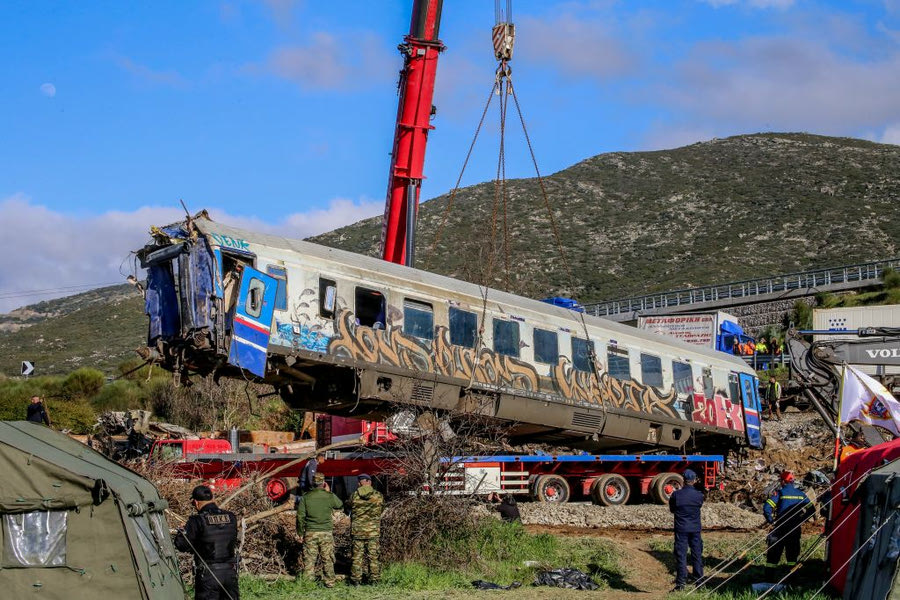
{"x": 610, "y": 490}
{"x": 551, "y": 488}
{"x": 663, "y": 485}
{"x": 278, "y": 489}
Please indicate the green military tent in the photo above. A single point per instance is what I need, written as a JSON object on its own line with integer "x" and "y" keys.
{"x": 874, "y": 572}
{"x": 76, "y": 525}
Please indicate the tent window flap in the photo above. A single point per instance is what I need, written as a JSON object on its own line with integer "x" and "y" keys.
{"x": 35, "y": 539}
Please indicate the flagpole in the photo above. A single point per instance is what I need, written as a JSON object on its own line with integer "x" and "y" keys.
{"x": 837, "y": 435}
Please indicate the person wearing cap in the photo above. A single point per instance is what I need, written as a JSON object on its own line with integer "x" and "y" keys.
{"x": 365, "y": 529}
{"x": 211, "y": 535}
{"x": 314, "y": 526}
{"x": 685, "y": 505}
{"x": 786, "y": 509}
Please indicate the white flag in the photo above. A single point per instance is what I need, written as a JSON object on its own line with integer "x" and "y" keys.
{"x": 864, "y": 399}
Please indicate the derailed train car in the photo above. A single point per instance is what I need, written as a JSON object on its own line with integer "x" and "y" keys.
{"x": 347, "y": 334}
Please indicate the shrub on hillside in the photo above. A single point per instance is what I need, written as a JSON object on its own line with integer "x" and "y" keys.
{"x": 891, "y": 279}
{"x": 120, "y": 395}
{"x": 82, "y": 383}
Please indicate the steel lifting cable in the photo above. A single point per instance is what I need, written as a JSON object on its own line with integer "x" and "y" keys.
{"x": 852, "y": 556}
{"x": 446, "y": 214}
{"x": 555, "y": 228}
{"x": 742, "y": 552}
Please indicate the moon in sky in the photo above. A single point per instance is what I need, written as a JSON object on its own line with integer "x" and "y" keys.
{"x": 48, "y": 89}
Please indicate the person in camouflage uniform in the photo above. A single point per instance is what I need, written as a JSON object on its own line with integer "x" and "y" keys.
{"x": 314, "y": 526}
{"x": 365, "y": 529}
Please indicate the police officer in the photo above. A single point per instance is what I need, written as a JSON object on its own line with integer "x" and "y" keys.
{"x": 211, "y": 535}
{"x": 685, "y": 505}
{"x": 365, "y": 529}
{"x": 787, "y": 509}
{"x": 314, "y": 526}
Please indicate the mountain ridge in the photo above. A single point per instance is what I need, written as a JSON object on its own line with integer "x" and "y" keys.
{"x": 630, "y": 223}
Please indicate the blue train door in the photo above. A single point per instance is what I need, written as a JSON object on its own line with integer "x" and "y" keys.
{"x": 750, "y": 398}
{"x": 253, "y": 321}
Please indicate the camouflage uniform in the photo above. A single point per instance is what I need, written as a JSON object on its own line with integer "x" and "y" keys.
{"x": 365, "y": 528}
{"x": 314, "y": 524}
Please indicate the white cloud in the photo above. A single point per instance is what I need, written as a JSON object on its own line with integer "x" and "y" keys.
{"x": 329, "y": 63}
{"x": 48, "y": 89}
{"x": 891, "y": 135}
{"x": 784, "y": 83}
{"x": 575, "y": 43}
{"x": 46, "y": 249}
{"x": 145, "y": 74}
{"x": 665, "y": 136}
{"x": 778, "y": 4}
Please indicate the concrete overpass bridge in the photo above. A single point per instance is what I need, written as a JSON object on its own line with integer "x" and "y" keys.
{"x": 740, "y": 293}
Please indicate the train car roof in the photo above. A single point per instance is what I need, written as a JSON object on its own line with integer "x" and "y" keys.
{"x": 208, "y": 227}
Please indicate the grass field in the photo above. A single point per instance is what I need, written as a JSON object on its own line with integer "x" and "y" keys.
{"x": 503, "y": 551}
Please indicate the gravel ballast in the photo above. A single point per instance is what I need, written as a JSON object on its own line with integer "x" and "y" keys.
{"x": 719, "y": 515}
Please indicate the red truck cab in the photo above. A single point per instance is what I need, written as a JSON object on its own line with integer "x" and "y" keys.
{"x": 179, "y": 450}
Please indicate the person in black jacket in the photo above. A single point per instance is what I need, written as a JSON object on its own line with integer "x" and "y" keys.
{"x": 308, "y": 474}
{"x": 211, "y": 535}
{"x": 36, "y": 412}
{"x": 685, "y": 505}
{"x": 506, "y": 506}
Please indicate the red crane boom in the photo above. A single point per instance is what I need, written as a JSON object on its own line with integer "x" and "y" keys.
{"x": 420, "y": 49}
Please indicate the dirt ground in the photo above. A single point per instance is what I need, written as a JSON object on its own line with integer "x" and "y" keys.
{"x": 650, "y": 571}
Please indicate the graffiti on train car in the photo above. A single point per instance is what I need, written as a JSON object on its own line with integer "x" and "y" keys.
{"x": 392, "y": 347}
{"x": 718, "y": 411}
{"x": 485, "y": 366}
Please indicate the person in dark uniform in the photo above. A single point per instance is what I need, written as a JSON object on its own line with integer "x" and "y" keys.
{"x": 211, "y": 535}
{"x": 506, "y": 506}
{"x": 787, "y": 509}
{"x": 308, "y": 474}
{"x": 685, "y": 505}
{"x": 36, "y": 412}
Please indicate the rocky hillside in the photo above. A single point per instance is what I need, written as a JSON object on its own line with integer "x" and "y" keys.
{"x": 100, "y": 329}
{"x": 633, "y": 223}
{"x": 630, "y": 223}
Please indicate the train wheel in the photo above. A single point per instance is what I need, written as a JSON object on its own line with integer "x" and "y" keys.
{"x": 551, "y": 488}
{"x": 610, "y": 490}
{"x": 663, "y": 485}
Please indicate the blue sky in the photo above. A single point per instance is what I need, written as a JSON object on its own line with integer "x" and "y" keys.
{"x": 279, "y": 114}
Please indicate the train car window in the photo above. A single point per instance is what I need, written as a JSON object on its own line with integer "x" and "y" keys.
{"x": 683, "y": 377}
{"x": 506, "y": 338}
{"x": 618, "y": 364}
{"x": 546, "y": 346}
{"x": 734, "y": 388}
{"x": 255, "y": 292}
{"x": 280, "y": 274}
{"x": 651, "y": 371}
{"x": 581, "y": 354}
{"x": 370, "y": 308}
{"x": 463, "y": 327}
{"x": 327, "y": 297}
{"x": 418, "y": 319}
{"x": 709, "y": 389}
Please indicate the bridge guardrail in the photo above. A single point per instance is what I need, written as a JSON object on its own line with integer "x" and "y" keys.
{"x": 870, "y": 271}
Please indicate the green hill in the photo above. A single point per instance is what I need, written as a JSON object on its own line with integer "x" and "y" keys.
{"x": 634, "y": 223}
{"x": 630, "y": 223}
